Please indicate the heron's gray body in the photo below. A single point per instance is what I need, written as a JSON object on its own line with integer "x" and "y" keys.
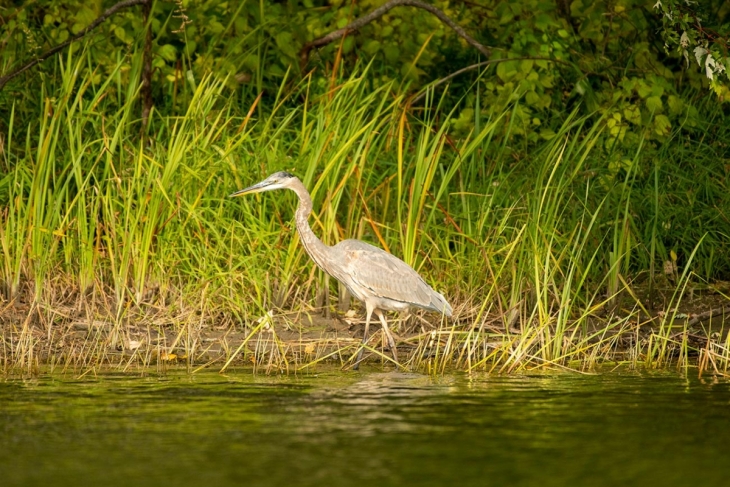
{"x": 380, "y": 280}
{"x": 386, "y": 281}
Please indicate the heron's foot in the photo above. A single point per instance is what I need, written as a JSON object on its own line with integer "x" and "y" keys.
{"x": 391, "y": 344}
{"x": 358, "y": 359}
{"x": 362, "y": 348}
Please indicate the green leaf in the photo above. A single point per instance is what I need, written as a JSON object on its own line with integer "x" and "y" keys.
{"x": 632, "y": 114}
{"x": 167, "y": 52}
{"x": 120, "y": 33}
{"x": 505, "y": 14}
{"x": 275, "y": 70}
{"x": 215, "y": 27}
{"x": 251, "y": 62}
{"x": 347, "y": 45}
{"x": 392, "y": 53}
{"x": 543, "y": 21}
{"x": 532, "y": 98}
{"x": 85, "y": 16}
{"x": 465, "y": 122}
{"x": 643, "y": 89}
{"x": 371, "y": 47}
{"x": 654, "y": 104}
{"x": 506, "y": 70}
{"x": 662, "y": 125}
{"x": 547, "y": 134}
{"x": 285, "y": 42}
{"x": 62, "y": 35}
{"x": 676, "y": 105}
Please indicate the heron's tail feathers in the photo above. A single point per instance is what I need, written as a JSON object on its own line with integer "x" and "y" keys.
{"x": 440, "y": 305}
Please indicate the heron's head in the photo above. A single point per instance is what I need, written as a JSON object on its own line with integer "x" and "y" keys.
{"x": 278, "y": 180}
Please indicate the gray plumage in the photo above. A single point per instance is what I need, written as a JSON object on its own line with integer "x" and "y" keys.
{"x": 380, "y": 280}
{"x": 386, "y": 277}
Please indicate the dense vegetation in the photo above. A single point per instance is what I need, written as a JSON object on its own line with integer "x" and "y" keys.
{"x": 567, "y": 201}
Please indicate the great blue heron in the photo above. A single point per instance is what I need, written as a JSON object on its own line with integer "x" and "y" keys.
{"x": 380, "y": 280}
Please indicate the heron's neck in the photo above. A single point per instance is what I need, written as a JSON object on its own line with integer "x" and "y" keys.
{"x": 316, "y": 249}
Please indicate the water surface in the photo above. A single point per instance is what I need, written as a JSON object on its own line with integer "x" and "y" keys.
{"x": 373, "y": 428}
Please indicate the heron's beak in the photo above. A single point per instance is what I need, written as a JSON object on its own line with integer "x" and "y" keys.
{"x": 256, "y": 188}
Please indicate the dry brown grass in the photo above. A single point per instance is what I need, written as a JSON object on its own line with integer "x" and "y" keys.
{"x": 78, "y": 334}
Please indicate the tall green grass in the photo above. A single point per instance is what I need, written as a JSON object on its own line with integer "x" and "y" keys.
{"x": 131, "y": 238}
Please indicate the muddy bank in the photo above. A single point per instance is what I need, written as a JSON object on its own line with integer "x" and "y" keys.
{"x": 692, "y": 333}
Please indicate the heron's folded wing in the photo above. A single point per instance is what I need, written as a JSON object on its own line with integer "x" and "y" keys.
{"x": 384, "y": 274}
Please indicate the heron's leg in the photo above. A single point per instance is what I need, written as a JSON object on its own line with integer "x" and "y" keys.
{"x": 386, "y": 330}
{"x": 364, "y": 337}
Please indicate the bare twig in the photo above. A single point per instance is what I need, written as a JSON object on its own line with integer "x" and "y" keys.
{"x": 696, "y": 318}
{"x": 477, "y": 66}
{"x": 108, "y": 13}
{"x": 378, "y": 12}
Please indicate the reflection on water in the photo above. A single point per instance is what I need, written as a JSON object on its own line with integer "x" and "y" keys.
{"x": 361, "y": 428}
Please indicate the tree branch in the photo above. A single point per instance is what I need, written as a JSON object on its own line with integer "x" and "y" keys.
{"x": 146, "y": 89}
{"x": 108, "y": 13}
{"x": 443, "y": 80}
{"x": 378, "y": 12}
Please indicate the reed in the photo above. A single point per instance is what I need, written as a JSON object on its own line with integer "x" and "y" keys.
{"x": 120, "y": 249}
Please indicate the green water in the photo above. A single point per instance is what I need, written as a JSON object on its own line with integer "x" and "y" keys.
{"x": 366, "y": 429}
